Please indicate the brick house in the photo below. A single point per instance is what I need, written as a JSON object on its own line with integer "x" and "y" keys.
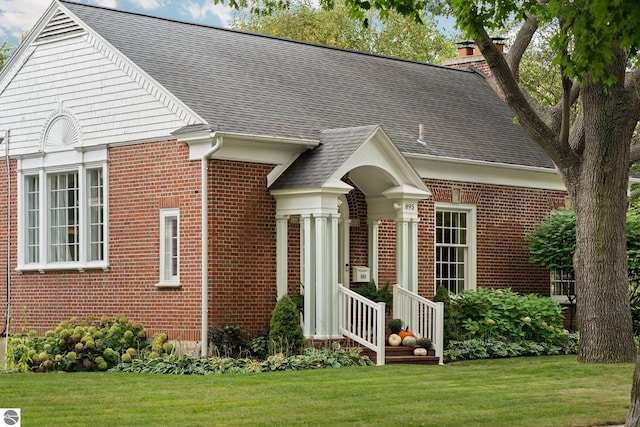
{"x": 187, "y": 176}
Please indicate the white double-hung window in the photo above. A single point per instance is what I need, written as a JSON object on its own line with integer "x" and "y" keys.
{"x": 455, "y": 247}
{"x": 62, "y": 224}
{"x": 169, "y": 247}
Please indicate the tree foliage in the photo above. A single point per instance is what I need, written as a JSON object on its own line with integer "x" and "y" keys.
{"x": 552, "y": 242}
{"x": 538, "y": 74}
{"x": 396, "y": 36}
{"x": 5, "y": 51}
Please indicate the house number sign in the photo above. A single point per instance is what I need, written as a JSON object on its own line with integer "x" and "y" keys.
{"x": 410, "y": 207}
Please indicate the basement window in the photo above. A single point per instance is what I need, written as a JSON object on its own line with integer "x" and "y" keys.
{"x": 563, "y": 285}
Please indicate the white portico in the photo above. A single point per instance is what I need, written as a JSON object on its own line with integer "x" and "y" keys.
{"x": 313, "y": 190}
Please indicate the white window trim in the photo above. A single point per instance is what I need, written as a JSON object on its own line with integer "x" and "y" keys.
{"x": 74, "y": 161}
{"x": 470, "y": 210}
{"x": 173, "y": 282}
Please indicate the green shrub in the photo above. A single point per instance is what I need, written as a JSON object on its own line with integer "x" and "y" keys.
{"x": 384, "y": 294}
{"x": 505, "y": 315}
{"x": 227, "y": 340}
{"x": 494, "y": 348}
{"x": 425, "y": 343}
{"x": 285, "y": 333}
{"x": 311, "y": 358}
{"x": 449, "y": 327}
{"x": 553, "y": 243}
{"x": 259, "y": 345}
{"x": 395, "y": 325}
{"x": 82, "y": 346}
{"x": 634, "y": 300}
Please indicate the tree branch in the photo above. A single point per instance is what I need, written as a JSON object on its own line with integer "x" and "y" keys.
{"x": 555, "y": 112}
{"x": 632, "y": 81}
{"x": 537, "y": 128}
{"x": 521, "y": 43}
{"x": 577, "y": 136}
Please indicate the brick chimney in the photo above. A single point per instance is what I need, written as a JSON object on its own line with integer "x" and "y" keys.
{"x": 469, "y": 55}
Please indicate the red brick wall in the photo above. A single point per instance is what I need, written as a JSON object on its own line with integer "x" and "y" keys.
{"x": 243, "y": 245}
{"x": 142, "y": 179}
{"x": 358, "y": 232}
{"x": 505, "y": 216}
{"x": 293, "y": 254}
{"x": 242, "y": 270}
{"x": 4, "y": 212}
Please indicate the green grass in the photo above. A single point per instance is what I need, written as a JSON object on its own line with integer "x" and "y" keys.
{"x": 538, "y": 391}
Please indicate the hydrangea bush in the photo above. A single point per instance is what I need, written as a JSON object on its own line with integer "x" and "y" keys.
{"x": 84, "y": 346}
{"x": 493, "y": 323}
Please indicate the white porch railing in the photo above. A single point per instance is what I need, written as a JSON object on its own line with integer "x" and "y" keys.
{"x": 424, "y": 317}
{"x": 362, "y": 320}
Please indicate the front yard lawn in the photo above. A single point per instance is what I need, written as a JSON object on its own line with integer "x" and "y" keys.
{"x": 534, "y": 391}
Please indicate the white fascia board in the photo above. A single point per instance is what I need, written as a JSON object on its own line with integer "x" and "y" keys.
{"x": 306, "y": 201}
{"x": 380, "y": 208}
{"x": 461, "y": 170}
{"x": 246, "y": 147}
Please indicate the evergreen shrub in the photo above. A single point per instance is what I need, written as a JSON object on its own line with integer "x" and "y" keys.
{"x": 285, "y": 332}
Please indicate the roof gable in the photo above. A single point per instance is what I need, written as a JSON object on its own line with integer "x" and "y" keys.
{"x": 365, "y": 154}
{"x": 64, "y": 65}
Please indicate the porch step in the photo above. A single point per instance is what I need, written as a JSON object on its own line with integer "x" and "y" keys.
{"x": 401, "y": 354}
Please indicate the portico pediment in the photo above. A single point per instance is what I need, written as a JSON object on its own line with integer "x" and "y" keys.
{"x": 365, "y": 155}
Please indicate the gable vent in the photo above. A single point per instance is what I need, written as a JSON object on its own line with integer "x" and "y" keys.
{"x": 59, "y": 26}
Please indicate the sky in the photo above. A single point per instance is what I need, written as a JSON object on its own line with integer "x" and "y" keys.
{"x": 18, "y": 16}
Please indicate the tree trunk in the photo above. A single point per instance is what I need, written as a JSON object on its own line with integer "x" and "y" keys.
{"x": 599, "y": 193}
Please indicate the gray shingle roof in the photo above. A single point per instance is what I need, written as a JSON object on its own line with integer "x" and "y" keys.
{"x": 315, "y": 166}
{"x": 255, "y": 84}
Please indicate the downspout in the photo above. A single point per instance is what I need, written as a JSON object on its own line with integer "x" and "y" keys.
{"x": 5, "y": 332}
{"x": 205, "y": 241}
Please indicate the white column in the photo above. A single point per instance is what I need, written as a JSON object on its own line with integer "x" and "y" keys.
{"x": 321, "y": 277}
{"x": 374, "y": 225}
{"x": 282, "y": 261}
{"x": 308, "y": 274}
{"x": 332, "y": 279}
{"x": 412, "y": 256}
{"x": 402, "y": 252}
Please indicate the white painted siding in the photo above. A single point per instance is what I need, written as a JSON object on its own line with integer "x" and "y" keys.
{"x": 110, "y": 100}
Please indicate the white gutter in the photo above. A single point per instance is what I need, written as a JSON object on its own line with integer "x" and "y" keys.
{"x": 480, "y": 163}
{"x": 205, "y": 241}
{"x": 302, "y": 142}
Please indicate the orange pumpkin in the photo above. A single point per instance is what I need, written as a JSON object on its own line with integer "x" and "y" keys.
{"x": 403, "y": 334}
